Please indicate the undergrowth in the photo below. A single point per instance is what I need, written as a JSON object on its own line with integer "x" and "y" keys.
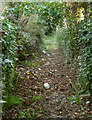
{"x": 74, "y": 41}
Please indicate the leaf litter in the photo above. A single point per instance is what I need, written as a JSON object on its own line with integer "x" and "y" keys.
{"x": 53, "y": 70}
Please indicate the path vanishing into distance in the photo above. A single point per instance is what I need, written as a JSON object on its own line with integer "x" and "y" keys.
{"x": 49, "y": 67}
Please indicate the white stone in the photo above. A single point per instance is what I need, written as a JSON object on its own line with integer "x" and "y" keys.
{"x": 39, "y": 68}
{"x": 46, "y": 85}
{"x": 42, "y": 59}
{"x": 87, "y": 102}
{"x": 44, "y": 52}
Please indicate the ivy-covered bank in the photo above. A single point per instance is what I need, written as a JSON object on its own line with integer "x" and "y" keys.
{"x": 74, "y": 39}
{"x": 23, "y": 28}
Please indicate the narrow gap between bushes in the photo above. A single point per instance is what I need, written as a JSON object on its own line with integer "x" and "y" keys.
{"x": 46, "y": 86}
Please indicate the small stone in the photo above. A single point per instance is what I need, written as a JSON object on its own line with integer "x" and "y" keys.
{"x": 28, "y": 77}
{"x": 87, "y": 102}
{"x": 48, "y": 54}
{"x": 39, "y": 68}
{"x": 42, "y": 59}
{"x": 76, "y": 113}
{"x": 44, "y": 52}
{"x": 36, "y": 87}
{"x": 79, "y": 110}
{"x": 60, "y": 112}
{"x": 46, "y": 85}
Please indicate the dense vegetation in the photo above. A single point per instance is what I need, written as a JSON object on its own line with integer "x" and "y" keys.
{"x": 75, "y": 41}
{"x": 24, "y": 26}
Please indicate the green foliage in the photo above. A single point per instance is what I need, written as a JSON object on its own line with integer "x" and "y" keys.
{"x": 22, "y": 31}
{"x": 34, "y": 29}
{"x": 84, "y": 46}
{"x": 24, "y": 26}
{"x": 27, "y": 115}
{"x": 12, "y": 100}
{"x": 74, "y": 39}
{"x": 30, "y": 112}
{"x": 16, "y": 44}
{"x": 74, "y": 99}
{"x": 15, "y": 47}
{"x": 35, "y": 97}
{"x": 9, "y": 53}
{"x": 50, "y": 14}
{"x": 77, "y": 91}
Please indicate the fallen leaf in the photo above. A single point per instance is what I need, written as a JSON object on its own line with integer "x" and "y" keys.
{"x": 28, "y": 72}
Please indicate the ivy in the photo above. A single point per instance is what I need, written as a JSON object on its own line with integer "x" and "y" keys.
{"x": 75, "y": 41}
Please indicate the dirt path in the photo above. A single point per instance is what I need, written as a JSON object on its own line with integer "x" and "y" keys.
{"x": 58, "y": 75}
{"x": 49, "y": 67}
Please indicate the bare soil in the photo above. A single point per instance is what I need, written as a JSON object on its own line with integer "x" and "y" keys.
{"x": 50, "y": 67}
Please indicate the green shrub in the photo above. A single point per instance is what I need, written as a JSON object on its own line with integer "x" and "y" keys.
{"x": 84, "y": 31}
{"x": 16, "y": 44}
{"x": 51, "y": 14}
{"x": 35, "y": 30}
{"x": 75, "y": 43}
{"x": 9, "y": 53}
{"x": 11, "y": 100}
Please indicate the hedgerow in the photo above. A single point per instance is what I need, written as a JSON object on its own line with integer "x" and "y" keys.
{"x": 24, "y": 25}
{"x": 74, "y": 39}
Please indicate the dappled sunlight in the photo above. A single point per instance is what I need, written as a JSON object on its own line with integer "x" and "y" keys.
{"x": 50, "y": 42}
